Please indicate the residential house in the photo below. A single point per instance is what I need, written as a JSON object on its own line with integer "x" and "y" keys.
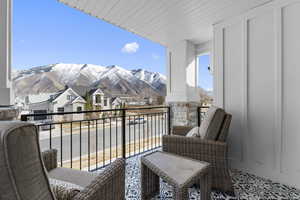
{"x": 36, "y": 104}
{"x": 99, "y": 99}
{"x": 69, "y": 100}
{"x": 116, "y": 102}
{"x": 63, "y": 101}
{"x": 130, "y": 100}
{"x": 35, "y": 98}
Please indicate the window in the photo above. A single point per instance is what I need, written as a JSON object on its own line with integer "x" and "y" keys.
{"x": 79, "y": 109}
{"x": 105, "y": 102}
{"x": 61, "y": 109}
{"x": 205, "y": 79}
{"x": 69, "y": 97}
{"x": 40, "y": 112}
{"x": 98, "y": 98}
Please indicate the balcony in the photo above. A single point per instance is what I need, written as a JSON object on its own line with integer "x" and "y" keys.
{"x": 254, "y": 47}
{"x": 93, "y": 144}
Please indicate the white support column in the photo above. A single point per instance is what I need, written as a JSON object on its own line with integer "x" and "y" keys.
{"x": 182, "y": 92}
{"x": 6, "y": 93}
{"x": 7, "y": 112}
{"x": 182, "y": 72}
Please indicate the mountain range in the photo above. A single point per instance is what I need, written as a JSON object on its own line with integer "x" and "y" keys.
{"x": 113, "y": 80}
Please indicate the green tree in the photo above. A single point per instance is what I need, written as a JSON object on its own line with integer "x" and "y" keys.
{"x": 161, "y": 100}
{"x": 88, "y": 105}
{"x": 89, "y": 102}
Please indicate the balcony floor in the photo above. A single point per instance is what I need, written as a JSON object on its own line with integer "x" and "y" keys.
{"x": 247, "y": 186}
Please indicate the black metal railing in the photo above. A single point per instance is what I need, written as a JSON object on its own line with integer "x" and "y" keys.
{"x": 90, "y": 140}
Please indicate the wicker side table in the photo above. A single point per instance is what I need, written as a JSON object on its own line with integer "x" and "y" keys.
{"x": 180, "y": 172}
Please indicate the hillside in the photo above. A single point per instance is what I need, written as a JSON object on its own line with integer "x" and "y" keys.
{"x": 114, "y": 80}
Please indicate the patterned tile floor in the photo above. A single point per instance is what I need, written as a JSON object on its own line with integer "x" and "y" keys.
{"x": 247, "y": 186}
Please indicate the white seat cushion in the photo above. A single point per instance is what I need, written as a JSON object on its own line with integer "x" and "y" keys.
{"x": 73, "y": 176}
{"x": 194, "y": 132}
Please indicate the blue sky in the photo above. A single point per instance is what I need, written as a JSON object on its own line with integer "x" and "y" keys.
{"x": 205, "y": 77}
{"x": 48, "y": 32}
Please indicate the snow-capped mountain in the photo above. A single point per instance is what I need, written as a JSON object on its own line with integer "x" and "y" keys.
{"x": 114, "y": 80}
{"x": 155, "y": 79}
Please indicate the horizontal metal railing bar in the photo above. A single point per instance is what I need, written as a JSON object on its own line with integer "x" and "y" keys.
{"x": 153, "y": 113}
{"x": 92, "y": 111}
{"x": 145, "y": 108}
{"x": 204, "y": 107}
{"x": 95, "y": 119}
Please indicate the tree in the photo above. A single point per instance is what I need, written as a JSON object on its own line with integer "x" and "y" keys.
{"x": 88, "y": 105}
{"x": 120, "y": 106}
{"x": 89, "y": 102}
{"x": 161, "y": 100}
{"x": 116, "y": 112}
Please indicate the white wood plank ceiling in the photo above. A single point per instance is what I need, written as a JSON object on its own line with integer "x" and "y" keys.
{"x": 165, "y": 21}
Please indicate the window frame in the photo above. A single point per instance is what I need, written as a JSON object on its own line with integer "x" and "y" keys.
{"x": 69, "y": 97}
{"x": 79, "y": 110}
{"x": 60, "y": 109}
{"x": 98, "y": 97}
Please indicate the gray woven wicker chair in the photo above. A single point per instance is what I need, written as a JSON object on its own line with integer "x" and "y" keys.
{"x": 108, "y": 185}
{"x": 211, "y": 146}
{"x": 24, "y": 175}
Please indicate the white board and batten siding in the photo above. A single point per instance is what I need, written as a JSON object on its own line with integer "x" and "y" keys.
{"x": 257, "y": 79}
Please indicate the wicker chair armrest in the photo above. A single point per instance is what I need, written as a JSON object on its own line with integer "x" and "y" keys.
{"x": 50, "y": 159}
{"x": 193, "y": 145}
{"x": 181, "y": 130}
{"x": 109, "y": 185}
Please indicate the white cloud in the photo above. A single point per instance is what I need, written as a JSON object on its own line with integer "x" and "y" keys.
{"x": 131, "y": 47}
{"x": 209, "y": 89}
{"x": 155, "y": 56}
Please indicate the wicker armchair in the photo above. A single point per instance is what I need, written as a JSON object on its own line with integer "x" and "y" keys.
{"x": 109, "y": 185}
{"x": 209, "y": 150}
{"x": 24, "y": 174}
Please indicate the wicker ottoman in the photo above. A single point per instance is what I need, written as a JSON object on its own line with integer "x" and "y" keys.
{"x": 180, "y": 172}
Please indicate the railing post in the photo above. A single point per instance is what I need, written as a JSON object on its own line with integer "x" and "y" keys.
{"x": 169, "y": 120}
{"x": 24, "y": 118}
{"x": 199, "y": 115}
{"x": 124, "y": 133}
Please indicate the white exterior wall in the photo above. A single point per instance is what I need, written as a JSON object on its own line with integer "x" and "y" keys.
{"x": 74, "y": 109}
{"x": 6, "y": 93}
{"x": 62, "y": 99}
{"x": 204, "y": 48}
{"x": 256, "y": 69}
